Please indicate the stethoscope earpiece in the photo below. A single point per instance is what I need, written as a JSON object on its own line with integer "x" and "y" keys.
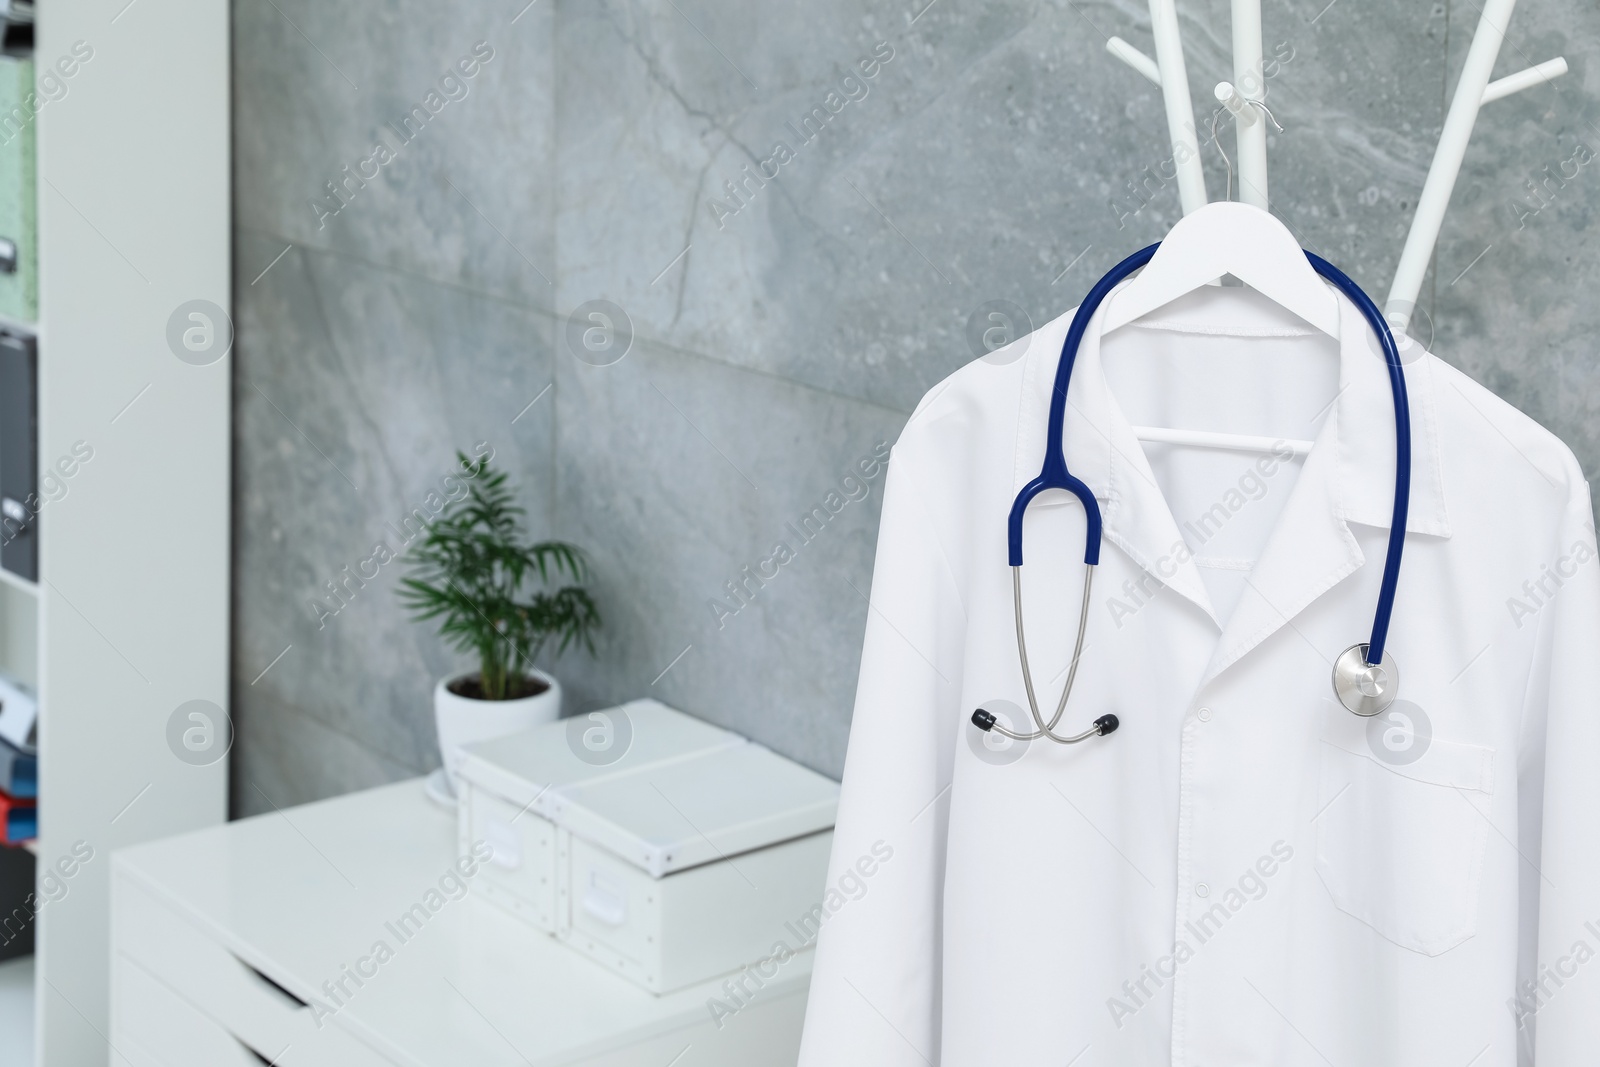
{"x": 1105, "y": 724}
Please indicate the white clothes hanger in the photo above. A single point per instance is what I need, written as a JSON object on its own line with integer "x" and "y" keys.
{"x": 1228, "y": 238}
{"x": 1253, "y": 246}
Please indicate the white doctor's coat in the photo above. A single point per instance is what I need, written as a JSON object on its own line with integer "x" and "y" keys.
{"x": 1245, "y": 874}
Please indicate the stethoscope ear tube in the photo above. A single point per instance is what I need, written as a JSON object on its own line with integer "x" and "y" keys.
{"x": 986, "y": 721}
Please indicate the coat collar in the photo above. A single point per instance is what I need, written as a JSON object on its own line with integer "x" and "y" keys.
{"x": 1347, "y": 478}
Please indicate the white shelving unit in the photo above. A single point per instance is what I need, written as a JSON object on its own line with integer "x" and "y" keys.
{"x": 130, "y": 616}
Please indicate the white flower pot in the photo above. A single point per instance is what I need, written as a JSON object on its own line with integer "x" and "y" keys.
{"x": 463, "y": 720}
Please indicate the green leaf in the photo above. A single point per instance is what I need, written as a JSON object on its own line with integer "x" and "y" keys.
{"x": 469, "y": 569}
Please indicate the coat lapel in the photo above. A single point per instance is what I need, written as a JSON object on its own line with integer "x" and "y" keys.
{"x": 1103, "y": 451}
{"x": 1347, "y": 478}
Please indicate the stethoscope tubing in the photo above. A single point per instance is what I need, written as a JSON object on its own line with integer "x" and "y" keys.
{"x": 1054, "y": 474}
{"x": 1402, "y": 443}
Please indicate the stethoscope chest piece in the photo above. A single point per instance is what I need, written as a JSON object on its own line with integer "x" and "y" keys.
{"x": 1362, "y": 687}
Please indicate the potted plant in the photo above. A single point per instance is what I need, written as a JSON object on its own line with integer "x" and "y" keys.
{"x": 470, "y": 571}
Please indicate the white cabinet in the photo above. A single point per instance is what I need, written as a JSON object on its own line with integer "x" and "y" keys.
{"x": 344, "y": 933}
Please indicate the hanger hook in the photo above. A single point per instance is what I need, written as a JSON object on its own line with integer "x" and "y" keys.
{"x": 1215, "y": 115}
{"x": 1262, "y": 104}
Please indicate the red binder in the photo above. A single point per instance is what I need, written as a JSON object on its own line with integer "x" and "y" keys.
{"x": 19, "y": 819}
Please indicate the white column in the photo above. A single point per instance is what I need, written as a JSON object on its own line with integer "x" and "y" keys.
{"x": 1249, "y": 80}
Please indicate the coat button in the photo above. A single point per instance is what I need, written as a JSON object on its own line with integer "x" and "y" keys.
{"x": 1204, "y": 714}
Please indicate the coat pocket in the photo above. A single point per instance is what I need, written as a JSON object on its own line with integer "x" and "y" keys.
{"x": 1400, "y": 844}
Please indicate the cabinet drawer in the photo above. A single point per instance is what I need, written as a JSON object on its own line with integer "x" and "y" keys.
{"x": 241, "y": 1001}
{"x": 151, "y": 1025}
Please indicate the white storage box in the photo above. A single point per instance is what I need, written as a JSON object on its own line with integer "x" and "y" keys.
{"x": 681, "y": 859}
{"x": 508, "y": 785}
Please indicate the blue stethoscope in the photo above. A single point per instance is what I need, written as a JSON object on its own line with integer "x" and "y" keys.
{"x": 1365, "y": 678}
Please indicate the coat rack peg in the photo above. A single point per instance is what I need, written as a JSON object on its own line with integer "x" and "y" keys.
{"x": 1135, "y": 59}
{"x": 1501, "y": 88}
{"x": 1241, "y": 109}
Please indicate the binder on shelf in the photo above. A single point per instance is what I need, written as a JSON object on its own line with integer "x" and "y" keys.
{"x": 19, "y": 820}
{"x": 19, "y": 717}
{"x": 19, "y": 772}
{"x": 19, "y": 902}
{"x": 16, "y": 22}
{"x": 19, "y": 212}
{"x": 19, "y": 455}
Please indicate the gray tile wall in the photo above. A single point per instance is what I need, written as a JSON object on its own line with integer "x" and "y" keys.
{"x": 782, "y": 328}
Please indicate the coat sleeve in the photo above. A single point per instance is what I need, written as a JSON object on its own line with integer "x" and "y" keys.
{"x": 875, "y": 992}
{"x": 1560, "y": 801}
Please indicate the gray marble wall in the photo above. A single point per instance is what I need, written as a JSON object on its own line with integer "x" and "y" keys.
{"x": 779, "y": 330}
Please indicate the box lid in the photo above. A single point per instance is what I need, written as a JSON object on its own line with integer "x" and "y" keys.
{"x": 713, "y": 805}
{"x": 524, "y": 768}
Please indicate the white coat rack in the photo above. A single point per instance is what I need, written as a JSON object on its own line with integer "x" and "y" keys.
{"x": 1244, "y": 97}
